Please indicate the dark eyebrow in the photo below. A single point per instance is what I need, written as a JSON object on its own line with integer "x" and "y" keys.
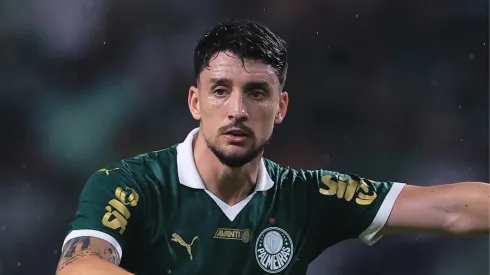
{"x": 258, "y": 85}
{"x": 220, "y": 81}
{"x": 255, "y": 85}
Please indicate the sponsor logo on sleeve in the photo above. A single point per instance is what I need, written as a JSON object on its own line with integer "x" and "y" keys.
{"x": 347, "y": 188}
{"x": 117, "y": 214}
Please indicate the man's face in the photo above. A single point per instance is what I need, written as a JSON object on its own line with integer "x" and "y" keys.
{"x": 237, "y": 104}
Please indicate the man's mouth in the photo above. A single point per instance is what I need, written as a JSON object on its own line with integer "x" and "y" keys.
{"x": 236, "y": 136}
{"x": 237, "y": 133}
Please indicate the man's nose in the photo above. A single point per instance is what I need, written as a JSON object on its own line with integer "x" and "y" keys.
{"x": 237, "y": 108}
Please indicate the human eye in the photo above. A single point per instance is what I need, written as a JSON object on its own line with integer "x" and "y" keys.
{"x": 257, "y": 94}
{"x": 220, "y": 92}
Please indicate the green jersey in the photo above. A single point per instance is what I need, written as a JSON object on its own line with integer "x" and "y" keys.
{"x": 154, "y": 209}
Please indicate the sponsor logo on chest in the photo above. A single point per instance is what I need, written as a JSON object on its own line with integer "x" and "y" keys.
{"x": 243, "y": 235}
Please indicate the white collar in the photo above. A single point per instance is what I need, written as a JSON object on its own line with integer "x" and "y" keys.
{"x": 189, "y": 176}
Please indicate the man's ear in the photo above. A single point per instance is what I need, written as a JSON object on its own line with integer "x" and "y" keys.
{"x": 193, "y": 102}
{"x": 283, "y": 107}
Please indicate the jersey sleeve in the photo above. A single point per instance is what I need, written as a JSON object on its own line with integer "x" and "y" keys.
{"x": 108, "y": 207}
{"x": 355, "y": 206}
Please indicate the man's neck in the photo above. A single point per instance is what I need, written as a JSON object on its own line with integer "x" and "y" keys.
{"x": 231, "y": 185}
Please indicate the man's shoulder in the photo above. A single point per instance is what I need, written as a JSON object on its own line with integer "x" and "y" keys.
{"x": 164, "y": 156}
{"x": 157, "y": 166}
{"x": 276, "y": 170}
{"x": 284, "y": 175}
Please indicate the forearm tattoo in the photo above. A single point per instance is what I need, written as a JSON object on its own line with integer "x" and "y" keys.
{"x": 82, "y": 247}
{"x": 111, "y": 255}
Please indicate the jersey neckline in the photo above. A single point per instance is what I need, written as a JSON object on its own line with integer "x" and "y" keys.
{"x": 189, "y": 176}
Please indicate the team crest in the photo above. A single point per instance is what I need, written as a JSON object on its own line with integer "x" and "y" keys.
{"x": 273, "y": 249}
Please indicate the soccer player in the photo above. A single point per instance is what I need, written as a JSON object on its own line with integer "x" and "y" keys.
{"x": 213, "y": 205}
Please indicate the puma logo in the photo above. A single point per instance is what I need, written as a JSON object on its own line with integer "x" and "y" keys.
{"x": 178, "y": 239}
{"x": 107, "y": 171}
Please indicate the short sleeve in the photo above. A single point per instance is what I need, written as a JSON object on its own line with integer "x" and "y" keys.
{"x": 108, "y": 206}
{"x": 357, "y": 207}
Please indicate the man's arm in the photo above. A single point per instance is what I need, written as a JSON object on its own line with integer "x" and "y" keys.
{"x": 108, "y": 209}
{"x": 89, "y": 256}
{"x": 459, "y": 208}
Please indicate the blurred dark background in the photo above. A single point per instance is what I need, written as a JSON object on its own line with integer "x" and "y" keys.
{"x": 390, "y": 90}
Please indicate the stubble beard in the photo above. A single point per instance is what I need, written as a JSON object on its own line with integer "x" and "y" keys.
{"x": 235, "y": 160}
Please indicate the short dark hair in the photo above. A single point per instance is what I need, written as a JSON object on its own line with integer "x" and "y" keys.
{"x": 245, "y": 39}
